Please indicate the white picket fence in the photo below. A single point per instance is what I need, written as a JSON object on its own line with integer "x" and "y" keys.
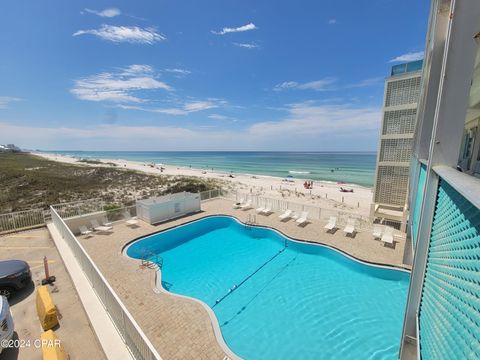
{"x": 77, "y": 208}
{"x": 211, "y": 194}
{"x": 21, "y": 220}
{"x": 314, "y": 212}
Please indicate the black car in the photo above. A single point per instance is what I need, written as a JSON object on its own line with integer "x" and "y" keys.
{"x": 14, "y": 275}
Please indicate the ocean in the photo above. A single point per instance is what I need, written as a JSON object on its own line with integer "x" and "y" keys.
{"x": 349, "y": 167}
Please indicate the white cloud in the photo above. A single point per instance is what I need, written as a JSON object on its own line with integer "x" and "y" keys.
{"x": 246, "y": 45}
{"x": 6, "y": 100}
{"x": 411, "y": 56}
{"x": 317, "y": 85}
{"x": 95, "y": 136}
{"x": 184, "y": 109}
{"x": 118, "y": 86}
{"x": 218, "y": 117}
{"x": 109, "y": 12}
{"x": 312, "y": 120}
{"x": 167, "y": 111}
{"x": 227, "y": 30}
{"x": 286, "y": 85}
{"x": 178, "y": 72}
{"x": 136, "y": 70}
{"x": 129, "y": 34}
{"x": 199, "y": 105}
{"x": 332, "y": 21}
{"x": 307, "y": 126}
{"x": 366, "y": 82}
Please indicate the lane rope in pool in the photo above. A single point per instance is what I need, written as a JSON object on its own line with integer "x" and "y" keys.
{"x": 284, "y": 267}
{"x": 235, "y": 287}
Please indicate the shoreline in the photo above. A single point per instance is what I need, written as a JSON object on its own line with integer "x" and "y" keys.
{"x": 290, "y": 164}
{"x": 325, "y": 194}
{"x": 199, "y": 169}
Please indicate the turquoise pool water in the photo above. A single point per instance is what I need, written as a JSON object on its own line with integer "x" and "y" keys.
{"x": 275, "y": 298}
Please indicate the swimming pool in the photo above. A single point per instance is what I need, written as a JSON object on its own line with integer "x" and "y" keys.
{"x": 276, "y": 298}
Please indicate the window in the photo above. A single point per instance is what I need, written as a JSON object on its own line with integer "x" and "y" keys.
{"x": 469, "y": 160}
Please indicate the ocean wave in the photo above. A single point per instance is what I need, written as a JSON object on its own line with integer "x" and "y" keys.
{"x": 299, "y": 172}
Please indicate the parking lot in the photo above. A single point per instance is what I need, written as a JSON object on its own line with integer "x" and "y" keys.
{"x": 74, "y": 330}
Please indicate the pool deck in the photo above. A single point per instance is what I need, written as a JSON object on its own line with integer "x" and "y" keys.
{"x": 181, "y": 328}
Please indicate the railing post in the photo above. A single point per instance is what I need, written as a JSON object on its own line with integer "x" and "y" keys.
{"x": 14, "y": 222}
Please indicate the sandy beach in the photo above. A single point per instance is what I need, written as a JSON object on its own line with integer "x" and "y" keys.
{"x": 324, "y": 194}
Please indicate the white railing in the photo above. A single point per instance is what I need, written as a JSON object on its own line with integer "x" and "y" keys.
{"x": 21, "y": 220}
{"x": 131, "y": 333}
{"x": 77, "y": 208}
{"x": 118, "y": 214}
{"x": 211, "y": 194}
{"x": 314, "y": 212}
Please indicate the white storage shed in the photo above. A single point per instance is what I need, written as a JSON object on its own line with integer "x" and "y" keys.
{"x": 162, "y": 208}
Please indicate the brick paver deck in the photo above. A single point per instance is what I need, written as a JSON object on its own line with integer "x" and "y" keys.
{"x": 180, "y": 328}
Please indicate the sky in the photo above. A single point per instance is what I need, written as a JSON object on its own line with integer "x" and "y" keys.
{"x": 201, "y": 75}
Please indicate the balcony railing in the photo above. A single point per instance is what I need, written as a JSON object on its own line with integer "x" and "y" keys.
{"x": 131, "y": 333}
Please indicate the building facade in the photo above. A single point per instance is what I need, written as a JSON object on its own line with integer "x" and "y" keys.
{"x": 442, "y": 318}
{"x": 402, "y": 90}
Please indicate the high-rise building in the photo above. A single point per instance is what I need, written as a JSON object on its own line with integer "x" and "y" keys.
{"x": 442, "y": 319}
{"x": 402, "y": 90}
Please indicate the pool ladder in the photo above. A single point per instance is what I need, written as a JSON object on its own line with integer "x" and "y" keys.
{"x": 251, "y": 220}
{"x": 151, "y": 260}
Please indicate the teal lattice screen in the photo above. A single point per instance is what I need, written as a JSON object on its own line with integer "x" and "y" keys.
{"x": 450, "y": 306}
{"x": 418, "y": 202}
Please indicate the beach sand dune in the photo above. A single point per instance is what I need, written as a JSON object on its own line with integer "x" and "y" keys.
{"x": 324, "y": 194}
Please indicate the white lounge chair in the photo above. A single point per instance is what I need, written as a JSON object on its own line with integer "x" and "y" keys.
{"x": 247, "y": 205}
{"x": 129, "y": 220}
{"x": 237, "y": 205}
{"x": 350, "y": 227}
{"x": 387, "y": 237}
{"x": 332, "y": 223}
{"x": 106, "y": 223}
{"x": 102, "y": 228}
{"x": 128, "y": 216}
{"x": 260, "y": 209}
{"x": 286, "y": 215}
{"x": 377, "y": 232}
{"x": 267, "y": 210}
{"x": 303, "y": 218}
{"x": 84, "y": 231}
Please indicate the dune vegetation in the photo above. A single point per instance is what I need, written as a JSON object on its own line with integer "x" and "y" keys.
{"x": 28, "y": 181}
